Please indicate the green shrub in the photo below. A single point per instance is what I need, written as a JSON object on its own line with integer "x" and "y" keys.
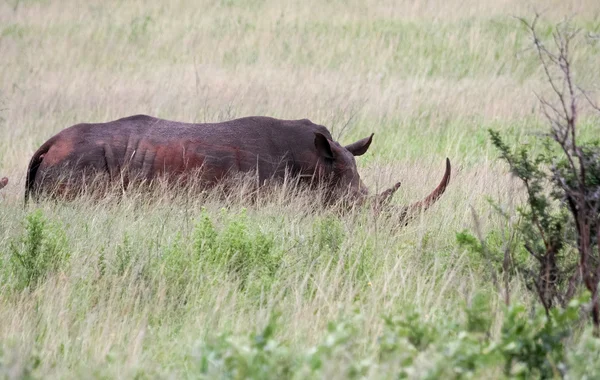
{"x": 337, "y": 349}
{"x": 412, "y": 346}
{"x": 248, "y": 254}
{"x": 41, "y": 250}
{"x": 528, "y": 346}
{"x": 534, "y": 347}
{"x": 425, "y": 349}
{"x": 558, "y": 221}
{"x": 258, "y": 356}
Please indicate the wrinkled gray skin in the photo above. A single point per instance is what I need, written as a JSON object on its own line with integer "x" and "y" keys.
{"x": 144, "y": 147}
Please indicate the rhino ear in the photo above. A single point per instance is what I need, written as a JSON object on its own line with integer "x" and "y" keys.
{"x": 323, "y": 146}
{"x": 361, "y": 146}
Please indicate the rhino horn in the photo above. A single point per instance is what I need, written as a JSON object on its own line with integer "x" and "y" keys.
{"x": 414, "y": 209}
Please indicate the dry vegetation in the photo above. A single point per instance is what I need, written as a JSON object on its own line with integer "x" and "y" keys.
{"x": 134, "y": 294}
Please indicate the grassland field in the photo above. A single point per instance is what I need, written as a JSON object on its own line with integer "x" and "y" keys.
{"x": 172, "y": 285}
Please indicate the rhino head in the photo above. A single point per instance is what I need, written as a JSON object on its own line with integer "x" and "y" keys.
{"x": 338, "y": 163}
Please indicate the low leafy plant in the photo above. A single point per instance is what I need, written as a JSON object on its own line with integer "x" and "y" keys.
{"x": 205, "y": 236}
{"x": 412, "y": 346}
{"x": 248, "y": 254}
{"x": 40, "y": 250}
{"x": 258, "y": 356}
{"x": 534, "y": 347}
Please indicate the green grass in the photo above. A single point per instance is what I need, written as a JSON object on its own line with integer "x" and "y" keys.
{"x": 181, "y": 286}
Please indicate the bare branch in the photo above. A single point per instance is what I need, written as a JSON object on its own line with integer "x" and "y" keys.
{"x": 546, "y": 104}
{"x": 589, "y": 100}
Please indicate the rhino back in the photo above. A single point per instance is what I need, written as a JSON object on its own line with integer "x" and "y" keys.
{"x": 153, "y": 146}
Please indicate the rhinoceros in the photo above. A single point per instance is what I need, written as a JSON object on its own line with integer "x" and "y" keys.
{"x": 142, "y": 147}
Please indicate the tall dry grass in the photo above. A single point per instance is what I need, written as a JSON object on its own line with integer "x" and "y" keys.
{"x": 428, "y": 77}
